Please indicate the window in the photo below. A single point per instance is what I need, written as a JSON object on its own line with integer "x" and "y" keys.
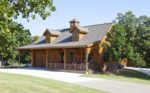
{"x": 90, "y": 58}
{"x": 106, "y": 57}
{"x": 72, "y": 58}
{"x": 62, "y": 57}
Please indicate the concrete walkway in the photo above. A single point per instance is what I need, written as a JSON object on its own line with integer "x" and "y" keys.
{"x": 144, "y": 70}
{"x": 102, "y": 84}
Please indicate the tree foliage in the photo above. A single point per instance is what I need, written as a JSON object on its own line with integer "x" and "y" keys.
{"x": 27, "y": 8}
{"x": 14, "y": 37}
{"x": 12, "y": 34}
{"x": 35, "y": 38}
{"x": 130, "y": 38}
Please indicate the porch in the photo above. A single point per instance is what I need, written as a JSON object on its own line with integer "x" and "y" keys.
{"x": 77, "y": 59}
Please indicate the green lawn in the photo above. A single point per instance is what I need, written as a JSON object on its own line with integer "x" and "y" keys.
{"x": 12, "y": 83}
{"x": 125, "y": 75}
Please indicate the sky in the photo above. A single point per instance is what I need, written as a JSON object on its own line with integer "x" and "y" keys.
{"x": 88, "y": 12}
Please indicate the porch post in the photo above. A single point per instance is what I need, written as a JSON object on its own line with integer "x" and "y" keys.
{"x": 32, "y": 58}
{"x": 65, "y": 58}
{"x": 87, "y": 51}
{"x": 46, "y": 58}
{"x": 19, "y": 55}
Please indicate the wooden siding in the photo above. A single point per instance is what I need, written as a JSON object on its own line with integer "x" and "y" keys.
{"x": 53, "y": 56}
{"x": 40, "y": 58}
{"x": 81, "y": 35}
{"x": 76, "y": 34}
{"x": 49, "y": 38}
{"x": 52, "y": 38}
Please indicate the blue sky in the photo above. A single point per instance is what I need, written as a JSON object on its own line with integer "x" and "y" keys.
{"x": 89, "y": 12}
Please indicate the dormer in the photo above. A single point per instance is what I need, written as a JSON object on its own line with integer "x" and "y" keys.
{"x": 51, "y": 35}
{"x": 77, "y": 31}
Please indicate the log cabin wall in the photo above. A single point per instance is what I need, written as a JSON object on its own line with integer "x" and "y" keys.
{"x": 81, "y": 55}
{"x": 52, "y": 38}
{"x": 53, "y": 56}
{"x": 39, "y": 58}
{"x": 96, "y": 57}
{"x": 78, "y": 53}
{"x": 81, "y": 35}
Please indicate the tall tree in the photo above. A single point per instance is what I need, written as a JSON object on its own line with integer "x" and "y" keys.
{"x": 12, "y": 34}
{"x": 129, "y": 39}
{"x": 11, "y": 9}
{"x": 15, "y": 36}
{"x": 142, "y": 39}
{"x": 118, "y": 42}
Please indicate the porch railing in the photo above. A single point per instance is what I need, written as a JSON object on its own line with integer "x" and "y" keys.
{"x": 71, "y": 66}
{"x": 67, "y": 66}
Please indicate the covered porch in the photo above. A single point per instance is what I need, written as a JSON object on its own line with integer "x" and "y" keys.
{"x": 78, "y": 59}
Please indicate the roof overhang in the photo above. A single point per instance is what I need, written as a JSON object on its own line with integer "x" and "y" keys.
{"x": 35, "y": 47}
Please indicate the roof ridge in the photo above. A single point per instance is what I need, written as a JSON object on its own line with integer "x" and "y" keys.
{"x": 87, "y": 25}
{"x": 99, "y": 24}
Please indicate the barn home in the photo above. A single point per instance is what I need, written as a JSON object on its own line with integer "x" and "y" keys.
{"x": 74, "y": 48}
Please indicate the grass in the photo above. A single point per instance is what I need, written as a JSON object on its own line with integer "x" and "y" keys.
{"x": 16, "y": 64}
{"x": 125, "y": 75}
{"x": 12, "y": 83}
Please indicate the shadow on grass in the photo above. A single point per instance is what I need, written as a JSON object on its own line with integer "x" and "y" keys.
{"x": 124, "y": 75}
{"x": 134, "y": 74}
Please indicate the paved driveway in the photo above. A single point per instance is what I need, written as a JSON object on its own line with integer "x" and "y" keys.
{"x": 102, "y": 84}
{"x": 55, "y": 75}
{"x": 117, "y": 86}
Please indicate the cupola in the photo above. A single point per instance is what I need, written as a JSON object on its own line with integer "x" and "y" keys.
{"x": 74, "y": 23}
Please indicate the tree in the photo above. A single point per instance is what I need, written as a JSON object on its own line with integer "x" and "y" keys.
{"x": 12, "y": 34}
{"x": 142, "y": 39}
{"x": 15, "y": 36}
{"x": 11, "y": 9}
{"x": 118, "y": 42}
{"x": 35, "y": 38}
{"x": 129, "y": 39}
{"x": 27, "y": 8}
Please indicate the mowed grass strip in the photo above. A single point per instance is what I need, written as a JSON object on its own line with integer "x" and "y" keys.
{"x": 12, "y": 83}
{"x": 125, "y": 75}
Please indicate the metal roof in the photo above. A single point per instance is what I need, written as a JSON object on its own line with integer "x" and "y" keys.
{"x": 95, "y": 33}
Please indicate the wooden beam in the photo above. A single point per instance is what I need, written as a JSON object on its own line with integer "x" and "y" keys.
{"x": 87, "y": 51}
{"x": 65, "y": 58}
{"x": 32, "y": 58}
{"x": 46, "y": 58}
